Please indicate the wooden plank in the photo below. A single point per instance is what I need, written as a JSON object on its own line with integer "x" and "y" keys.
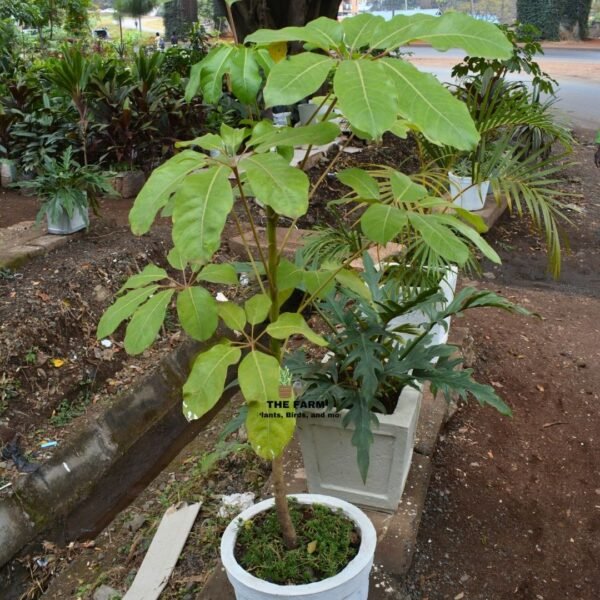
{"x": 164, "y": 551}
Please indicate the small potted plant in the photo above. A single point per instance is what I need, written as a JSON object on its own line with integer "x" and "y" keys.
{"x": 66, "y": 190}
{"x": 364, "y": 396}
{"x": 467, "y": 190}
{"x": 251, "y": 169}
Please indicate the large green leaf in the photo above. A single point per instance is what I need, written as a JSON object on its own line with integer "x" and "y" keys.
{"x": 361, "y": 182}
{"x": 351, "y": 280}
{"x": 216, "y": 63}
{"x": 405, "y": 189}
{"x": 269, "y": 136}
{"x": 270, "y": 429}
{"x": 245, "y": 75}
{"x": 392, "y": 34}
{"x": 296, "y": 77}
{"x": 292, "y": 324}
{"x": 278, "y": 185}
{"x": 257, "y": 308}
{"x": 323, "y": 33}
{"x": 424, "y": 101}
{"x": 159, "y": 187}
{"x": 366, "y": 96}
{"x": 122, "y": 309}
{"x": 320, "y": 282}
{"x": 197, "y": 312}
{"x": 221, "y": 273}
{"x": 233, "y": 316}
{"x": 467, "y": 231}
{"x": 381, "y": 223}
{"x": 458, "y": 30}
{"x": 201, "y": 209}
{"x": 440, "y": 238}
{"x": 206, "y": 382}
{"x": 150, "y": 274}
{"x": 258, "y": 375}
{"x": 145, "y": 323}
{"x": 289, "y": 275}
{"x": 359, "y": 30}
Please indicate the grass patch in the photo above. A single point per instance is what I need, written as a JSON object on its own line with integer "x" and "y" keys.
{"x": 327, "y": 542}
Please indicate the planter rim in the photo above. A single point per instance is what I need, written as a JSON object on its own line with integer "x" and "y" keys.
{"x": 356, "y": 565}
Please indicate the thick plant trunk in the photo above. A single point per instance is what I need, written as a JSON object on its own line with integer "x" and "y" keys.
{"x": 250, "y": 15}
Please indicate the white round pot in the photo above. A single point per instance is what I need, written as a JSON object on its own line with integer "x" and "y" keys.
{"x": 350, "y": 584}
{"x": 465, "y": 194}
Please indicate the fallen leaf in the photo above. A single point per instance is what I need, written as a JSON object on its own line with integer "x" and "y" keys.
{"x": 540, "y": 387}
{"x": 497, "y": 384}
{"x": 311, "y": 547}
{"x": 57, "y": 362}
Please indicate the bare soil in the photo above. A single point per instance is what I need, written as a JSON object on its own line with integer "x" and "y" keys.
{"x": 513, "y": 509}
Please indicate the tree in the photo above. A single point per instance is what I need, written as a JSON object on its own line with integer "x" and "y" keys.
{"x": 544, "y": 14}
{"x": 136, "y": 8}
{"x": 250, "y": 15}
{"x": 575, "y": 17}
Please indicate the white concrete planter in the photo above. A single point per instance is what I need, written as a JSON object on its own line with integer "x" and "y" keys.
{"x": 65, "y": 225}
{"x": 417, "y": 317}
{"x": 8, "y": 172}
{"x": 465, "y": 194}
{"x": 330, "y": 457}
{"x": 350, "y": 584}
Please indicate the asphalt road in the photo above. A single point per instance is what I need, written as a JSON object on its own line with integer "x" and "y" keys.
{"x": 578, "y": 99}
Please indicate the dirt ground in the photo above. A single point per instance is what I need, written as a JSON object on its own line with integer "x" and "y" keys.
{"x": 514, "y": 505}
{"x": 513, "y": 510}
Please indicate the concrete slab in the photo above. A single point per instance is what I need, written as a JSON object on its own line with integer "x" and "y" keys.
{"x": 15, "y": 256}
{"x": 492, "y": 210}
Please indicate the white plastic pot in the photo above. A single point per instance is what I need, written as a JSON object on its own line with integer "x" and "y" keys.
{"x": 64, "y": 225}
{"x": 465, "y": 194}
{"x": 8, "y": 172}
{"x": 350, "y": 584}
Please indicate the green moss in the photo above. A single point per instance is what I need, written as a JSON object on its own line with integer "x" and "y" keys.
{"x": 327, "y": 542}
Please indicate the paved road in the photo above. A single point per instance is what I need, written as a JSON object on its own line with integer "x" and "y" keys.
{"x": 578, "y": 99}
{"x": 553, "y": 54}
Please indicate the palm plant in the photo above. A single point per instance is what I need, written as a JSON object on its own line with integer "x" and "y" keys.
{"x": 519, "y": 168}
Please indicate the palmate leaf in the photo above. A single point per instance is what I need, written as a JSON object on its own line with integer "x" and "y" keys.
{"x": 363, "y": 184}
{"x": 163, "y": 182}
{"x": 265, "y": 135}
{"x": 270, "y": 429}
{"x": 233, "y": 315}
{"x": 245, "y": 75}
{"x": 440, "y": 237}
{"x": 206, "y": 381}
{"x": 359, "y": 30}
{"x": 289, "y": 324}
{"x": 426, "y": 103}
{"x": 278, "y": 185}
{"x": 258, "y": 375}
{"x": 472, "y": 298}
{"x": 146, "y": 322}
{"x": 197, "y": 312}
{"x": 367, "y": 96}
{"x": 201, "y": 208}
{"x": 122, "y": 309}
{"x": 323, "y": 33}
{"x": 381, "y": 223}
{"x": 150, "y": 274}
{"x": 296, "y": 77}
{"x": 257, "y": 308}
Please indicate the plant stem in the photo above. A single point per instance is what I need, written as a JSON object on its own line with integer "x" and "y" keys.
{"x": 281, "y": 505}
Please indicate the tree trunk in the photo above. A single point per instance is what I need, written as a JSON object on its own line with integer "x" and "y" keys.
{"x": 250, "y": 15}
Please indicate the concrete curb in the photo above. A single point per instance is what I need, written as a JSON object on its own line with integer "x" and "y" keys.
{"x": 98, "y": 471}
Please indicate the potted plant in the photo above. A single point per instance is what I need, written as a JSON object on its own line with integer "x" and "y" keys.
{"x": 199, "y": 191}
{"x": 466, "y": 191}
{"x": 66, "y": 190}
{"x": 377, "y": 363}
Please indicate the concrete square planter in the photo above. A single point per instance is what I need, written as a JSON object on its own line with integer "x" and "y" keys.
{"x": 65, "y": 225}
{"x": 330, "y": 457}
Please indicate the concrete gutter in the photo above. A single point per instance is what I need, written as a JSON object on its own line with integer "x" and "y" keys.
{"x": 98, "y": 472}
